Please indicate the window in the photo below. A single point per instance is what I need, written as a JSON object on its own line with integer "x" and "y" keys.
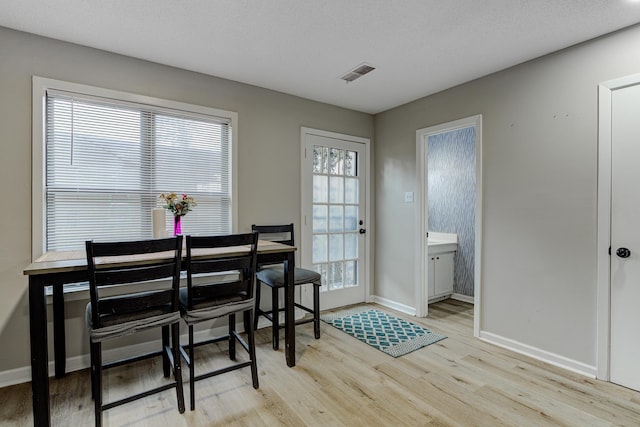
{"x": 102, "y": 158}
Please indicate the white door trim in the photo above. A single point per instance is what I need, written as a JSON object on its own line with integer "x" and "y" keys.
{"x": 369, "y": 237}
{"x": 603, "y": 240}
{"x": 421, "y": 273}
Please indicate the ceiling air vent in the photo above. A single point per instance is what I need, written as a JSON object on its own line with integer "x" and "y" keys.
{"x": 357, "y": 72}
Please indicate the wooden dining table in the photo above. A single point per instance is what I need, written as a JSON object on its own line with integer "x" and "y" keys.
{"x": 57, "y": 268}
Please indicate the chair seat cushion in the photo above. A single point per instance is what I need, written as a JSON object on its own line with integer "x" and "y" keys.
{"x": 274, "y": 276}
{"x": 121, "y": 325}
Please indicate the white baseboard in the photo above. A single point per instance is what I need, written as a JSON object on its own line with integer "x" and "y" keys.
{"x": 463, "y": 298}
{"x": 394, "y": 305}
{"x": 76, "y": 363}
{"x": 411, "y": 310}
{"x": 543, "y": 355}
{"x": 16, "y": 376}
{"x": 509, "y": 344}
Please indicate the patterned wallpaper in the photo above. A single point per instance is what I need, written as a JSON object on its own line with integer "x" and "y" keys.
{"x": 452, "y": 197}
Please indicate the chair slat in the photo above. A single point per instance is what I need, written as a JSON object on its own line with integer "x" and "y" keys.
{"x": 199, "y": 242}
{"x": 220, "y": 265}
{"x": 136, "y": 302}
{"x": 104, "y": 249}
{"x": 224, "y": 289}
{"x": 278, "y": 232}
{"x": 134, "y": 274}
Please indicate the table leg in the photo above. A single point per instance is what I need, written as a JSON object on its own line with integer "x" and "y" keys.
{"x": 39, "y": 356}
{"x": 59, "y": 339}
{"x": 289, "y": 319}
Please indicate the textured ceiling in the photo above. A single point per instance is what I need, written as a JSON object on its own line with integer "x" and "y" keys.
{"x": 302, "y": 47}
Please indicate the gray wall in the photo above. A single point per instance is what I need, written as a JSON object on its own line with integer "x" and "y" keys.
{"x": 539, "y": 192}
{"x": 269, "y": 153}
{"x": 451, "y": 177}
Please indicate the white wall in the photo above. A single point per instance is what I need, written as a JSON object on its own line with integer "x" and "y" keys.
{"x": 539, "y": 186}
{"x": 268, "y": 154}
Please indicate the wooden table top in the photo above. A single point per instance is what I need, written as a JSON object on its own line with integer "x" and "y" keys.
{"x": 65, "y": 261}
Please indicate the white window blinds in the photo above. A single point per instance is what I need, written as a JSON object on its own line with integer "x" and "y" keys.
{"x": 107, "y": 161}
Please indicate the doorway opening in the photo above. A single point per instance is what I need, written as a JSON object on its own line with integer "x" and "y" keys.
{"x": 435, "y": 138}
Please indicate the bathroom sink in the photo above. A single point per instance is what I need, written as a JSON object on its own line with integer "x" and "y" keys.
{"x": 442, "y": 242}
{"x": 439, "y": 247}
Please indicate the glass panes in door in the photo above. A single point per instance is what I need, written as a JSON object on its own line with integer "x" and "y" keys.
{"x": 335, "y": 216}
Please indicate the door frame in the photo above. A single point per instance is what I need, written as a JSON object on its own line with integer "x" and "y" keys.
{"x": 603, "y": 239}
{"x": 369, "y": 235}
{"x": 422, "y": 212}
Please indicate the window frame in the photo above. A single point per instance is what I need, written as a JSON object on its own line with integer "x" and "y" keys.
{"x": 41, "y": 85}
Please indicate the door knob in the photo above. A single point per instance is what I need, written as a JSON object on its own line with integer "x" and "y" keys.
{"x": 623, "y": 252}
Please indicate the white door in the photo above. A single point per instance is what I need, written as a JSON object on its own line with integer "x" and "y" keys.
{"x": 625, "y": 237}
{"x": 334, "y": 222}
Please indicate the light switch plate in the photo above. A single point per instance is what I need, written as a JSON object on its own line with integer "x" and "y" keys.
{"x": 408, "y": 197}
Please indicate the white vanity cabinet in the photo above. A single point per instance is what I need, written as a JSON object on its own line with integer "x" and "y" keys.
{"x": 442, "y": 249}
{"x": 440, "y": 275}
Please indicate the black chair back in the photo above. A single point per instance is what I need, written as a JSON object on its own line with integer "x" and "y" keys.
{"x": 274, "y": 233}
{"x": 141, "y": 261}
{"x": 201, "y": 260}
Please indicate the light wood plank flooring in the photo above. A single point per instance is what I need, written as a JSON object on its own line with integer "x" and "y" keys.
{"x": 339, "y": 381}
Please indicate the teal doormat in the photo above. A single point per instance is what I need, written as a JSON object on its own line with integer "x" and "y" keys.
{"x": 380, "y": 330}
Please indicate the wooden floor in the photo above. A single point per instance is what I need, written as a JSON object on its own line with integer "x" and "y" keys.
{"x": 340, "y": 381}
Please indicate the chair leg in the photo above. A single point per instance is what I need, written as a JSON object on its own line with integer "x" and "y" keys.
{"x": 232, "y": 338}
{"x": 252, "y": 350}
{"x": 97, "y": 400}
{"x": 275, "y": 317}
{"x": 316, "y": 311}
{"x": 192, "y": 388}
{"x": 256, "y": 311}
{"x": 92, "y": 352}
{"x": 177, "y": 368}
{"x": 166, "y": 365}
{"x": 248, "y": 323}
